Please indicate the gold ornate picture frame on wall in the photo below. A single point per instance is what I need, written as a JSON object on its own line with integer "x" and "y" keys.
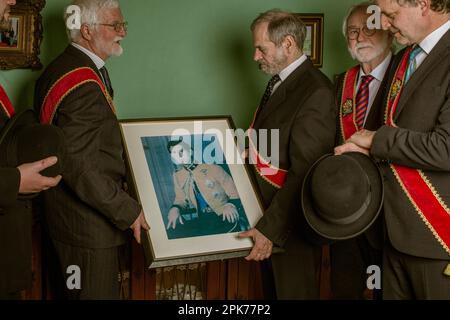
{"x": 313, "y": 46}
{"x": 21, "y": 37}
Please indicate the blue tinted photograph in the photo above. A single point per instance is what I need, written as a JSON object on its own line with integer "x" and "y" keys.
{"x": 196, "y": 192}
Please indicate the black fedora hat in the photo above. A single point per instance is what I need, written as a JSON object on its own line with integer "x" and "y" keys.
{"x": 342, "y": 195}
{"x": 24, "y": 140}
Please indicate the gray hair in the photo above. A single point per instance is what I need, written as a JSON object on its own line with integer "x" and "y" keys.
{"x": 442, "y": 6}
{"x": 89, "y": 12}
{"x": 280, "y": 25}
{"x": 353, "y": 9}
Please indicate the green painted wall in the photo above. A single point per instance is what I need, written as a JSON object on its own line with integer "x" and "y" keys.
{"x": 186, "y": 57}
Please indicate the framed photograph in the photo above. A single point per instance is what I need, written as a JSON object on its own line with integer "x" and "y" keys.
{"x": 196, "y": 193}
{"x": 21, "y": 36}
{"x": 313, "y": 46}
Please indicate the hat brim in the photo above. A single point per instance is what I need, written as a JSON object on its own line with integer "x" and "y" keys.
{"x": 331, "y": 231}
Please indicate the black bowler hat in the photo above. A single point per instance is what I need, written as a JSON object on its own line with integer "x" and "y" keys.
{"x": 342, "y": 195}
{"x": 24, "y": 140}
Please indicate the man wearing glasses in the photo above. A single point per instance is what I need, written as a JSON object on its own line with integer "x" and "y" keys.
{"x": 413, "y": 150}
{"x": 87, "y": 215}
{"x": 359, "y": 94}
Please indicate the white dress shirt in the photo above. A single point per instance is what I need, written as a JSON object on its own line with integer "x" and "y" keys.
{"x": 286, "y": 72}
{"x": 378, "y": 74}
{"x": 430, "y": 42}
{"x": 99, "y": 63}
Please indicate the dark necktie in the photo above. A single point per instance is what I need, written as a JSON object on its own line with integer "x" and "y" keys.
{"x": 362, "y": 100}
{"x": 272, "y": 82}
{"x": 107, "y": 81}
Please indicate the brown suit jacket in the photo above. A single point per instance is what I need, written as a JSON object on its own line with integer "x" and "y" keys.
{"x": 89, "y": 208}
{"x": 421, "y": 141}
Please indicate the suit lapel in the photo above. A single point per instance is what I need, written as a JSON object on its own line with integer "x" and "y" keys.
{"x": 375, "y": 116}
{"x": 276, "y": 99}
{"x": 279, "y": 96}
{"x": 80, "y": 55}
{"x": 431, "y": 61}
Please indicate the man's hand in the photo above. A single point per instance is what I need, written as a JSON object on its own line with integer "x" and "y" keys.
{"x": 363, "y": 139}
{"x": 230, "y": 213}
{"x": 31, "y": 181}
{"x": 262, "y": 248}
{"x": 139, "y": 223}
{"x": 349, "y": 147}
{"x": 173, "y": 217}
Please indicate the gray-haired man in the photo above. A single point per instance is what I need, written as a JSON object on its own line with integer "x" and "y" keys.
{"x": 89, "y": 212}
{"x": 299, "y": 103}
{"x": 360, "y": 96}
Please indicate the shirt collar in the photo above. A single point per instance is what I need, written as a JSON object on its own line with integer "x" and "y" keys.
{"x": 433, "y": 38}
{"x": 286, "y": 72}
{"x": 99, "y": 63}
{"x": 379, "y": 72}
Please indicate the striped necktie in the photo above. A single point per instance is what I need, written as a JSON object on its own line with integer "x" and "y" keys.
{"x": 412, "y": 66}
{"x": 362, "y": 100}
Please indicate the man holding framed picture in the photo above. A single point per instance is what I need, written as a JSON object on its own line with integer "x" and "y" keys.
{"x": 299, "y": 103}
{"x": 89, "y": 212}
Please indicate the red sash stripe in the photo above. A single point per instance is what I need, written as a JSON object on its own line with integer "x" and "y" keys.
{"x": 347, "y": 116}
{"x": 6, "y": 104}
{"x": 417, "y": 187}
{"x": 64, "y": 86}
{"x": 273, "y": 175}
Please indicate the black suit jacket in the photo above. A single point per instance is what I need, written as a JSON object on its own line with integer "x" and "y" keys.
{"x": 15, "y": 231}
{"x": 303, "y": 110}
{"x": 89, "y": 208}
{"x": 421, "y": 141}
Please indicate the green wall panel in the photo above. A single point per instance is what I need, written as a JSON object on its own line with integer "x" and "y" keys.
{"x": 186, "y": 57}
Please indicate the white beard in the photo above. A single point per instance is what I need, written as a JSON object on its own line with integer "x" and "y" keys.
{"x": 368, "y": 56}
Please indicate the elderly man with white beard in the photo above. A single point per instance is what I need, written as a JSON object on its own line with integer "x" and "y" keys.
{"x": 88, "y": 214}
{"x": 359, "y": 93}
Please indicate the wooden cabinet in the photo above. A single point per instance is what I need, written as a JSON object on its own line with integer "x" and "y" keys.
{"x": 234, "y": 279}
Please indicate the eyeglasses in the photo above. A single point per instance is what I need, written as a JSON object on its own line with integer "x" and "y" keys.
{"x": 118, "y": 26}
{"x": 353, "y": 33}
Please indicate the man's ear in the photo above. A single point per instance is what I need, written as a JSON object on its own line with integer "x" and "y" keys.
{"x": 86, "y": 32}
{"x": 289, "y": 43}
{"x": 425, "y": 6}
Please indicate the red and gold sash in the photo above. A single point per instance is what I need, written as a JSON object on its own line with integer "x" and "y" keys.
{"x": 271, "y": 174}
{"x": 417, "y": 187}
{"x": 347, "y": 110}
{"x": 64, "y": 86}
{"x": 6, "y": 104}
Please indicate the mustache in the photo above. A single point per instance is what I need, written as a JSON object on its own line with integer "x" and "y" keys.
{"x": 361, "y": 45}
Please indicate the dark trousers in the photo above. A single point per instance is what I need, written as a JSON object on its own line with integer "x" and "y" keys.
{"x": 10, "y": 296}
{"x": 296, "y": 270}
{"x": 349, "y": 262}
{"x": 407, "y": 277}
{"x": 99, "y": 271}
